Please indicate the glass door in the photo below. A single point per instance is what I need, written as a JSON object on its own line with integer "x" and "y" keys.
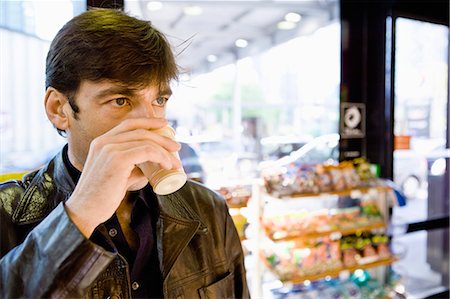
{"x": 420, "y": 166}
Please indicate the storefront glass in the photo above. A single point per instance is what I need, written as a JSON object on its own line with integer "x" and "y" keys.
{"x": 27, "y": 139}
{"x": 421, "y": 111}
{"x": 286, "y": 91}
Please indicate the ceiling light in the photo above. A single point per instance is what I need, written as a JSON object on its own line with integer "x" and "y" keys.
{"x": 211, "y": 58}
{"x": 193, "y": 10}
{"x": 241, "y": 43}
{"x": 293, "y": 17}
{"x": 285, "y": 25}
{"x": 154, "y": 5}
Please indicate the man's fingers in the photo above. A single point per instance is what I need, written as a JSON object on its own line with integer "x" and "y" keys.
{"x": 137, "y": 123}
{"x": 124, "y": 155}
{"x": 140, "y": 135}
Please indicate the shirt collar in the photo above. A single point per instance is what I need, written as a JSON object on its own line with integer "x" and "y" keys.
{"x": 73, "y": 172}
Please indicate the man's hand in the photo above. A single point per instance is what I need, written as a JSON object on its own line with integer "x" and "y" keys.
{"x": 110, "y": 169}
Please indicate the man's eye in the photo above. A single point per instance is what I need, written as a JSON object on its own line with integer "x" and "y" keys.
{"x": 161, "y": 101}
{"x": 120, "y": 101}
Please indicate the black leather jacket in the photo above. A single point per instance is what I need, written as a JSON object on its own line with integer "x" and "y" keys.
{"x": 45, "y": 255}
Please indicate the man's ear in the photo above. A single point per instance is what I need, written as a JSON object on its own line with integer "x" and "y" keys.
{"x": 56, "y": 107}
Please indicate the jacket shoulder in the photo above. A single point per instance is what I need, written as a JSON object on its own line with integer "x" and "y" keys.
{"x": 12, "y": 191}
{"x": 27, "y": 200}
{"x": 194, "y": 202}
{"x": 202, "y": 195}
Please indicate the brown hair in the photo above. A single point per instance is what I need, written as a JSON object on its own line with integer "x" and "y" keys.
{"x": 108, "y": 44}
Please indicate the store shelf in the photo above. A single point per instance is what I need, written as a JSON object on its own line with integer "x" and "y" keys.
{"x": 334, "y": 272}
{"x": 346, "y": 192}
{"x": 290, "y": 219}
{"x": 317, "y": 234}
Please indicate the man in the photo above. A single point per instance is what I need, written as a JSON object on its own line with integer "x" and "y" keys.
{"x": 88, "y": 224}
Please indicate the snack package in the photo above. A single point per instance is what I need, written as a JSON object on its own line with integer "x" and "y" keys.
{"x": 370, "y": 210}
{"x": 351, "y": 178}
{"x": 381, "y": 243}
{"x": 349, "y": 257}
{"x": 337, "y": 178}
{"x": 362, "y": 167}
{"x": 236, "y": 196}
{"x": 349, "y": 253}
{"x": 323, "y": 179}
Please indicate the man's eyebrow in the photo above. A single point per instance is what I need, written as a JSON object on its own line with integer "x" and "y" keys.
{"x": 126, "y": 91}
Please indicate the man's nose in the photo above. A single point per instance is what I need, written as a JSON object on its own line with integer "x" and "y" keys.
{"x": 145, "y": 110}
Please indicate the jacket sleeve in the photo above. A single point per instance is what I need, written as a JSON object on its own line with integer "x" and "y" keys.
{"x": 54, "y": 260}
{"x": 234, "y": 251}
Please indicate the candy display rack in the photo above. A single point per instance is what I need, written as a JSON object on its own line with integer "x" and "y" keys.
{"x": 315, "y": 235}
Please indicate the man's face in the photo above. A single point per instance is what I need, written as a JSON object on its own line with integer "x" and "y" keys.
{"x": 105, "y": 104}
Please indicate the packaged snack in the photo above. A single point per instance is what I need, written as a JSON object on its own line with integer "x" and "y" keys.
{"x": 349, "y": 252}
{"x": 236, "y": 196}
{"x": 305, "y": 180}
{"x": 381, "y": 243}
{"x": 351, "y": 178}
{"x": 362, "y": 167}
{"x": 383, "y": 251}
{"x": 369, "y": 251}
{"x": 335, "y": 254}
{"x": 323, "y": 179}
{"x": 337, "y": 178}
{"x": 369, "y": 209}
{"x": 349, "y": 257}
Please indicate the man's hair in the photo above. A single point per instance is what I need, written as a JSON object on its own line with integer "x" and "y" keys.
{"x": 108, "y": 44}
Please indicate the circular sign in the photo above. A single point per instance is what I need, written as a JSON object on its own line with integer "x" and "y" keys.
{"x": 352, "y": 117}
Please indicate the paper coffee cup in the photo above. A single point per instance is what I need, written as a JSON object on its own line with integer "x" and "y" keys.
{"x": 164, "y": 181}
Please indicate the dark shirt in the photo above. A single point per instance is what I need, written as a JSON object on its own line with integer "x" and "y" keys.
{"x": 145, "y": 275}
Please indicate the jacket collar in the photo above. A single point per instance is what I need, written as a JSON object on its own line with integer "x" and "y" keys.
{"x": 177, "y": 225}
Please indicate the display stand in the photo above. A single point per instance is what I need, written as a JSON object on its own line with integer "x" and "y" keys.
{"x": 264, "y": 204}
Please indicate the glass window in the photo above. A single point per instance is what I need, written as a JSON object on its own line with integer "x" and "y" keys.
{"x": 421, "y": 103}
{"x": 420, "y": 120}
{"x": 287, "y": 91}
{"x": 27, "y": 139}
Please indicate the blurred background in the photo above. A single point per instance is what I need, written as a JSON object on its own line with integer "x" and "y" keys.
{"x": 262, "y": 81}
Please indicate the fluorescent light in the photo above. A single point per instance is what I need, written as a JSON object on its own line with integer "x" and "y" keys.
{"x": 193, "y": 10}
{"x": 293, "y": 17}
{"x": 241, "y": 43}
{"x": 285, "y": 25}
{"x": 154, "y": 5}
{"x": 211, "y": 58}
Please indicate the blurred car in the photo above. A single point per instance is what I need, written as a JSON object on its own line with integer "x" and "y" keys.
{"x": 191, "y": 163}
{"x": 319, "y": 150}
{"x": 220, "y": 161}
{"x": 213, "y": 155}
{"x": 410, "y": 167}
{"x": 276, "y": 147}
{"x": 410, "y": 171}
{"x": 436, "y": 158}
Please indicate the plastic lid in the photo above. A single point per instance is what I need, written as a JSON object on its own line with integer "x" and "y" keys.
{"x": 170, "y": 184}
